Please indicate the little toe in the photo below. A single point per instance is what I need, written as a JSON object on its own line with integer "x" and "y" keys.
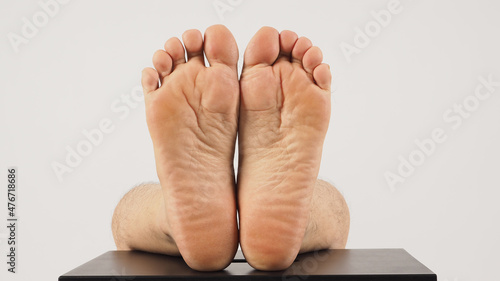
{"x": 163, "y": 63}
{"x": 263, "y": 48}
{"x": 193, "y": 41}
{"x": 312, "y": 58}
{"x": 174, "y": 48}
{"x": 287, "y": 40}
{"x": 300, "y": 48}
{"x": 322, "y": 76}
{"x": 220, "y": 46}
{"x": 149, "y": 80}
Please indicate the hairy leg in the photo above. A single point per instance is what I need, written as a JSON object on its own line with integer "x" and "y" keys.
{"x": 329, "y": 220}
{"x": 139, "y": 221}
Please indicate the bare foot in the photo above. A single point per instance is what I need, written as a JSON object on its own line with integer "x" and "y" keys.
{"x": 193, "y": 119}
{"x": 284, "y": 116}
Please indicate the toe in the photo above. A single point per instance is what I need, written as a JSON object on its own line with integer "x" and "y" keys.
{"x": 149, "y": 80}
{"x": 300, "y": 48}
{"x": 263, "y": 48}
{"x": 193, "y": 41}
{"x": 287, "y": 40}
{"x": 163, "y": 63}
{"x": 174, "y": 48}
{"x": 312, "y": 58}
{"x": 322, "y": 76}
{"x": 220, "y": 46}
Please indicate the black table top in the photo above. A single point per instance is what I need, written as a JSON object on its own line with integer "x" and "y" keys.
{"x": 339, "y": 265}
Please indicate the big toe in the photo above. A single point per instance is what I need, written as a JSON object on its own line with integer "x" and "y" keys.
{"x": 263, "y": 48}
{"x": 220, "y": 46}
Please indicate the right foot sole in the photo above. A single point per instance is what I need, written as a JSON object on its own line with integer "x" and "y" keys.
{"x": 192, "y": 119}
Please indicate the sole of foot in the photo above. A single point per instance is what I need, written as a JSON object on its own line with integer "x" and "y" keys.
{"x": 192, "y": 116}
{"x": 284, "y": 117}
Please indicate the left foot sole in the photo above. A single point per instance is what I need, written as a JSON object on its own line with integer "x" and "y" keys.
{"x": 284, "y": 116}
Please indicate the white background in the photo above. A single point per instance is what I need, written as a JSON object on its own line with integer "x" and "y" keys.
{"x": 395, "y": 90}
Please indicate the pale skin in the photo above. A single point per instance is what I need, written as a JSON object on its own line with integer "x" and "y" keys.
{"x": 280, "y": 109}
